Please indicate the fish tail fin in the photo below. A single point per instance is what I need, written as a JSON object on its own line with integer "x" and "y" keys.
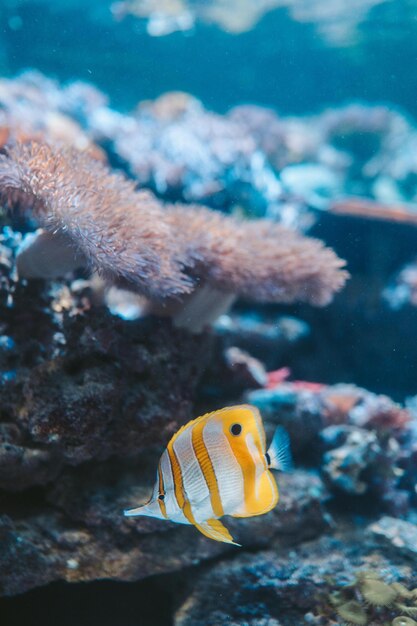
{"x": 214, "y": 529}
{"x": 279, "y": 452}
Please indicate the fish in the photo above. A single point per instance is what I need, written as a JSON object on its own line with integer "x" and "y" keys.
{"x": 218, "y": 465}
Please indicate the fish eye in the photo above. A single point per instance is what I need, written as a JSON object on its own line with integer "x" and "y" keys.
{"x": 161, "y": 496}
{"x": 236, "y": 429}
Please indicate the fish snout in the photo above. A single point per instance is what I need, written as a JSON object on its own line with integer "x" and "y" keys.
{"x": 151, "y": 509}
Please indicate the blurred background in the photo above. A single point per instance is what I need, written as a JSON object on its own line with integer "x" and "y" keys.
{"x": 295, "y": 55}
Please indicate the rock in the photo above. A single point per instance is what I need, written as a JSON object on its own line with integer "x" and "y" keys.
{"x": 245, "y": 371}
{"x": 344, "y": 466}
{"x": 398, "y": 535}
{"x": 77, "y": 532}
{"x": 271, "y": 338}
{"x": 114, "y": 389}
{"x": 78, "y": 383}
{"x": 285, "y": 586}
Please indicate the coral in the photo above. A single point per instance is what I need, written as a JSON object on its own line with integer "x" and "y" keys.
{"x": 249, "y": 159}
{"x": 244, "y": 257}
{"x": 378, "y": 593}
{"x": 344, "y": 465}
{"x": 73, "y": 194}
{"x": 130, "y": 239}
{"x": 267, "y": 337}
{"x": 370, "y": 600}
{"x": 361, "y": 440}
{"x": 31, "y": 108}
{"x": 352, "y": 613}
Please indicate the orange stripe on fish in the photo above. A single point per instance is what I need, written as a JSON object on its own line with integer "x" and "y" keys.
{"x": 180, "y": 496}
{"x": 161, "y": 493}
{"x": 207, "y": 468}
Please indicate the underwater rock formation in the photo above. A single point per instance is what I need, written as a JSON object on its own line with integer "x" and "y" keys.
{"x": 269, "y": 337}
{"x": 396, "y": 535}
{"x": 80, "y": 534}
{"x": 111, "y": 390}
{"x": 285, "y": 587}
{"x": 79, "y": 384}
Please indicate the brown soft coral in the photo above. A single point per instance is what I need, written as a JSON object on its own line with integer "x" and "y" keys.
{"x": 130, "y": 238}
{"x": 258, "y": 259}
{"x": 120, "y": 232}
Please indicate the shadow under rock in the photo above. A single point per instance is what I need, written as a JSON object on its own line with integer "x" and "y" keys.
{"x": 90, "y": 604}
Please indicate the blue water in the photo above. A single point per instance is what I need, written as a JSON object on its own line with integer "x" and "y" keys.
{"x": 280, "y": 62}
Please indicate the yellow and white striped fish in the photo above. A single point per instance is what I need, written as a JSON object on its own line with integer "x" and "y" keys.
{"x": 218, "y": 465}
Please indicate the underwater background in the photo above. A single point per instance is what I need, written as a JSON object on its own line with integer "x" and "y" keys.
{"x": 297, "y": 119}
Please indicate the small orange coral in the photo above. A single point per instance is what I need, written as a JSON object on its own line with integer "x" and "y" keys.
{"x": 130, "y": 238}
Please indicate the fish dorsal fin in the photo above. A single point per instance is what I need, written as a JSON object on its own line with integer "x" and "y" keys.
{"x": 189, "y": 424}
{"x": 214, "y": 529}
{"x": 279, "y": 451}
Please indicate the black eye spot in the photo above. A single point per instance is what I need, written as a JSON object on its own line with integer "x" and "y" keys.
{"x": 161, "y": 496}
{"x": 236, "y": 429}
{"x": 268, "y": 459}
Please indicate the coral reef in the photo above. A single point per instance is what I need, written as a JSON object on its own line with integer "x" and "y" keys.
{"x": 249, "y": 158}
{"x": 93, "y": 386}
{"x": 361, "y": 440}
{"x": 131, "y": 240}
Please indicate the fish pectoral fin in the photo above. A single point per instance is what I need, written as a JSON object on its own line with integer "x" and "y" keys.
{"x": 214, "y": 529}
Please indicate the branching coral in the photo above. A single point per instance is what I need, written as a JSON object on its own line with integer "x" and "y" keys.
{"x": 128, "y": 237}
